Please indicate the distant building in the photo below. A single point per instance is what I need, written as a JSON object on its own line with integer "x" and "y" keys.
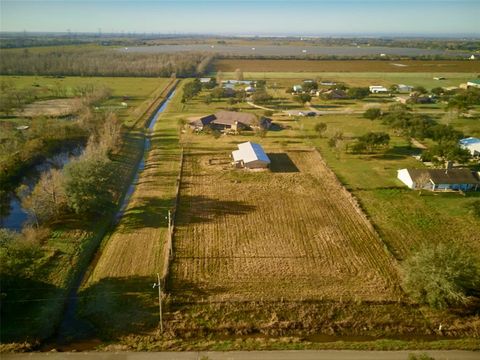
{"x": 439, "y": 179}
{"x": 474, "y": 83}
{"x": 438, "y": 78}
{"x": 250, "y": 89}
{"x": 328, "y": 83}
{"x": 376, "y": 89}
{"x": 205, "y": 80}
{"x": 231, "y": 120}
{"x": 472, "y": 57}
{"x": 404, "y": 88}
{"x": 334, "y": 94}
{"x": 297, "y": 88}
{"x": 471, "y": 144}
{"x": 251, "y": 156}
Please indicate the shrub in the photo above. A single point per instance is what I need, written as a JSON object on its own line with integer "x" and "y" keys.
{"x": 441, "y": 275}
{"x": 372, "y": 113}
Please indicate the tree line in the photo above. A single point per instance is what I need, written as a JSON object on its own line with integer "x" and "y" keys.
{"x": 84, "y": 62}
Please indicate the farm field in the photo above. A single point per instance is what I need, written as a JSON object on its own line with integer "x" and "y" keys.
{"x": 400, "y": 66}
{"x": 238, "y": 232}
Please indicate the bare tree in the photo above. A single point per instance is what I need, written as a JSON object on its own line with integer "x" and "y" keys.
{"x": 422, "y": 181}
{"x": 47, "y": 198}
{"x": 239, "y": 74}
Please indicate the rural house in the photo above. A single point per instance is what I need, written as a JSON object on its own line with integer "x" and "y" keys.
{"x": 471, "y": 144}
{"x": 251, "y": 156}
{"x": 231, "y": 120}
{"x": 404, "y": 88}
{"x": 474, "y": 83}
{"x": 440, "y": 179}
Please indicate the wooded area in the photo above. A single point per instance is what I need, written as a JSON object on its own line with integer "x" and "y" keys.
{"x": 84, "y": 61}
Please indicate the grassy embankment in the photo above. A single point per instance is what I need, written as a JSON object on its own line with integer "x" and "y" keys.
{"x": 118, "y": 296}
{"x": 33, "y": 310}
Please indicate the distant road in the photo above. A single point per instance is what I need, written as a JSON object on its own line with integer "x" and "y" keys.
{"x": 248, "y": 355}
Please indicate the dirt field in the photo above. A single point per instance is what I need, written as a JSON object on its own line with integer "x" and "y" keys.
{"x": 55, "y": 108}
{"x": 404, "y": 66}
{"x": 295, "y": 227}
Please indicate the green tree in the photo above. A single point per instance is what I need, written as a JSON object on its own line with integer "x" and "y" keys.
{"x": 420, "y": 89}
{"x": 441, "y": 275}
{"x": 207, "y": 99}
{"x": 372, "y": 113}
{"x": 302, "y": 98}
{"x": 17, "y": 255}
{"x": 358, "y": 92}
{"x": 88, "y": 185}
{"x": 261, "y": 97}
{"x": 320, "y": 128}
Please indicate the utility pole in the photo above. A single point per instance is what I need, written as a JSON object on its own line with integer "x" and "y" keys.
{"x": 159, "y": 301}
{"x": 170, "y": 234}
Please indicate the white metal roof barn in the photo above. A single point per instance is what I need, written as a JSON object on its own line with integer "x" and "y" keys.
{"x": 250, "y": 155}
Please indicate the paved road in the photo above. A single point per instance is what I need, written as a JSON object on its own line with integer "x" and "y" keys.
{"x": 248, "y": 355}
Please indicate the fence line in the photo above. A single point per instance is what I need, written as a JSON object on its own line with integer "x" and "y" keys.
{"x": 168, "y": 249}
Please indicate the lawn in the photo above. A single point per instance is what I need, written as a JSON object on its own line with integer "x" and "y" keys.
{"x": 403, "y": 218}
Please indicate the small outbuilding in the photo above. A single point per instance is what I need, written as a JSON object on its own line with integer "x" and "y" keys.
{"x": 297, "y": 88}
{"x": 377, "y": 89}
{"x": 251, "y": 156}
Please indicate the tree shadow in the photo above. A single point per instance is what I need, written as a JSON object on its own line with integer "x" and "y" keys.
{"x": 148, "y": 212}
{"x": 29, "y": 309}
{"x": 120, "y": 306}
{"x": 396, "y": 153}
{"x": 282, "y": 163}
{"x": 198, "y": 209}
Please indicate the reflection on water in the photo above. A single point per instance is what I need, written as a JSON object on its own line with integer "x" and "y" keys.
{"x": 13, "y": 216}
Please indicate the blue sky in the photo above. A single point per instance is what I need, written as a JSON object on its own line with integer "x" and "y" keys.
{"x": 264, "y": 17}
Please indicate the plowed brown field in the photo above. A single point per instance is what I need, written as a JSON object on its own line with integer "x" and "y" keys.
{"x": 295, "y": 234}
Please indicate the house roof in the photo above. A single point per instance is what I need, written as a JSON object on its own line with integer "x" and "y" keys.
{"x": 469, "y": 141}
{"x": 475, "y": 81}
{"x": 248, "y": 152}
{"x": 229, "y": 118}
{"x": 444, "y": 176}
